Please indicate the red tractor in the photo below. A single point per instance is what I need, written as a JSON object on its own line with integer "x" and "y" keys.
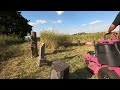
{"x": 105, "y": 60}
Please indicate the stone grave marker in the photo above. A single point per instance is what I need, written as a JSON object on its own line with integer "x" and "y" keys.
{"x": 41, "y": 58}
{"x": 60, "y": 70}
{"x": 34, "y": 45}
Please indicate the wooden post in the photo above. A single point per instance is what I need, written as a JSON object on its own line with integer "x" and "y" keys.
{"x": 60, "y": 70}
{"x": 34, "y": 45}
{"x": 41, "y": 58}
{"x": 78, "y": 42}
{"x": 94, "y": 43}
{"x": 28, "y": 38}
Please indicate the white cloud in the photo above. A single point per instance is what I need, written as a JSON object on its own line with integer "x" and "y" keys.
{"x": 50, "y": 29}
{"x": 83, "y": 24}
{"x": 100, "y": 28}
{"x": 97, "y": 21}
{"x": 58, "y": 21}
{"x": 37, "y": 22}
{"x": 59, "y": 12}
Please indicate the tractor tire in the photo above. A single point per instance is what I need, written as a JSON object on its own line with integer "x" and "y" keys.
{"x": 105, "y": 73}
{"x": 91, "y": 52}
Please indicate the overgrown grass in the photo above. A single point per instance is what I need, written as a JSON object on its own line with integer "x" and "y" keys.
{"x": 8, "y": 46}
{"x": 53, "y": 39}
{"x": 90, "y": 36}
{"x": 9, "y": 40}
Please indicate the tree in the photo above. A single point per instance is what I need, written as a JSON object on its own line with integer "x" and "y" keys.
{"x": 12, "y": 22}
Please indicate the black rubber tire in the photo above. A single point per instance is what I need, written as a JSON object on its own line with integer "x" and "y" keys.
{"x": 105, "y": 73}
{"x": 91, "y": 52}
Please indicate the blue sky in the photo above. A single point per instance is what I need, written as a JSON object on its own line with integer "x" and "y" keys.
{"x": 70, "y": 21}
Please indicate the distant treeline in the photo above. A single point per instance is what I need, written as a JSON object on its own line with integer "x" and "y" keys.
{"x": 79, "y": 33}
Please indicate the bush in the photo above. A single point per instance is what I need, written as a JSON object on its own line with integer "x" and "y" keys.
{"x": 53, "y": 39}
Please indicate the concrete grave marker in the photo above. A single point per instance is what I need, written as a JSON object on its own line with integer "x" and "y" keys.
{"x": 60, "y": 70}
{"x": 34, "y": 45}
{"x": 41, "y": 58}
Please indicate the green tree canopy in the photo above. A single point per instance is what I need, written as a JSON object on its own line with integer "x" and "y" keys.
{"x": 12, "y": 22}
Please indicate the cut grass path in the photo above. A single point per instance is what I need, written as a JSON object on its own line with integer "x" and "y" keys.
{"x": 22, "y": 66}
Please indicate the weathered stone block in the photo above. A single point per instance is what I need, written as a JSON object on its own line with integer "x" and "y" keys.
{"x": 60, "y": 70}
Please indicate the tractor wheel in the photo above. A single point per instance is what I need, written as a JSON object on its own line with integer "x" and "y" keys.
{"x": 91, "y": 52}
{"x": 105, "y": 73}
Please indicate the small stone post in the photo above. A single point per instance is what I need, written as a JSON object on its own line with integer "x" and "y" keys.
{"x": 60, "y": 70}
{"x": 41, "y": 58}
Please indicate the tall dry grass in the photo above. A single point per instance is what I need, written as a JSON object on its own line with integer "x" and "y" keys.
{"x": 88, "y": 36}
{"x": 8, "y": 46}
{"x": 53, "y": 39}
{"x": 6, "y": 40}
{"x": 91, "y": 36}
